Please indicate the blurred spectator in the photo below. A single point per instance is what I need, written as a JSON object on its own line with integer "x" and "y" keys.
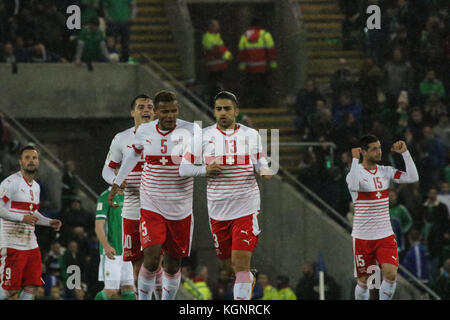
{"x": 310, "y": 172}
{"x": 55, "y": 293}
{"x": 444, "y": 195}
{"x": 51, "y": 25}
{"x": 223, "y": 288}
{"x": 399, "y": 211}
{"x": 216, "y": 55}
{"x": 54, "y": 259}
{"x": 39, "y": 294}
{"x": 119, "y": 15}
{"x": 72, "y": 257}
{"x": 400, "y": 124}
{"x": 305, "y": 104}
{"x": 38, "y": 53}
{"x": 257, "y": 58}
{"x": 434, "y": 157}
{"x": 113, "y": 54}
{"x": 200, "y": 281}
{"x": 69, "y": 185}
{"x": 431, "y": 85}
{"x": 269, "y": 292}
{"x": 399, "y": 75}
{"x": 436, "y": 216}
{"x": 244, "y": 119}
{"x": 75, "y": 217}
{"x": 347, "y": 133}
{"x": 416, "y": 125}
{"x": 431, "y": 43}
{"x": 442, "y": 130}
{"x": 346, "y": 105}
{"x": 49, "y": 279}
{"x": 434, "y": 110}
{"x": 399, "y": 236}
{"x": 336, "y": 191}
{"x": 321, "y": 127}
{"x": 89, "y": 9}
{"x": 416, "y": 259}
{"x": 7, "y": 55}
{"x": 284, "y": 291}
{"x": 352, "y": 25}
{"x": 369, "y": 85}
{"x": 341, "y": 80}
{"x": 442, "y": 284}
{"x": 91, "y": 45}
{"x": 308, "y": 286}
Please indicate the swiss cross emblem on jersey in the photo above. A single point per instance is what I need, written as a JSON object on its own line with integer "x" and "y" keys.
{"x": 378, "y": 195}
{"x": 163, "y": 161}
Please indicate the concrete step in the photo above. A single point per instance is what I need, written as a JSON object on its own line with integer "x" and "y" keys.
{"x": 154, "y": 46}
{"x": 168, "y": 37}
{"x": 322, "y": 54}
{"x": 150, "y": 28}
{"x": 317, "y": 7}
{"x": 317, "y": 26}
{"x": 324, "y": 35}
{"x": 148, "y": 19}
{"x": 272, "y": 121}
{"x": 323, "y": 17}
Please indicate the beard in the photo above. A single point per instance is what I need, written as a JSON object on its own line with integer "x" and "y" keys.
{"x": 31, "y": 171}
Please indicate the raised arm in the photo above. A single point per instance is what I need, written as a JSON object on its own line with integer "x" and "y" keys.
{"x": 411, "y": 175}
{"x": 353, "y": 175}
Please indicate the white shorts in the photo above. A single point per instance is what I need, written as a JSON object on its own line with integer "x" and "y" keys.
{"x": 115, "y": 273}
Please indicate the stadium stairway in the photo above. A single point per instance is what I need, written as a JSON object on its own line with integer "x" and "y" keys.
{"x": 151, "y": 34}
{"x": 278, "y": 118}
{"x": 322, "y": 21}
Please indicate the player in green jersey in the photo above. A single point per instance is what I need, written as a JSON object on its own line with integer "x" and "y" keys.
{"x": 113, "y": 271}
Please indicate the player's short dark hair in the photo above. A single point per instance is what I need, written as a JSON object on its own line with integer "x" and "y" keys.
{"x": 227, "y": 95}
{"x": 165, "y": 96}
{"x": 28, "y": 147}
{"x": 366, "y": 140}
{"x": 139, "y": 96}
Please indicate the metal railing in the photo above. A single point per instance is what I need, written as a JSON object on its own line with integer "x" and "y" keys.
{"x": 31, "y": 138}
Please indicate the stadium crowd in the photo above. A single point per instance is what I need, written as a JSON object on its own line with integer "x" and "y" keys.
{"x": 401, "y": 92}
{"x": 36, "y": 31}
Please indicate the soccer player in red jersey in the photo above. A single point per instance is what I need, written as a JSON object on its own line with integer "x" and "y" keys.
{"x": 20, "y": 257}
{"x": 142, "y": 111}
{"x": 373, "y": 237}
{"x": 166, "y": 222}
{"x": 231, "y": 153}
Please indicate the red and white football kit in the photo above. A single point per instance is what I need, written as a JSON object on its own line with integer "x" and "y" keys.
{"x": 20, "y": 257}
{"x": 122, "y": 142}
{"x": 166, "y": 197}
{"x": 233, "y": 195}
{"x": 373, "y": 237}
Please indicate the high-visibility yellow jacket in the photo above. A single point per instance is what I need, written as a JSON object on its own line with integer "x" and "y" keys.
{"x": 257, "y": 51}
{"x": 269, "y": 293}
{"x": 285, "y": 294}
{"x": 215, "y": 51}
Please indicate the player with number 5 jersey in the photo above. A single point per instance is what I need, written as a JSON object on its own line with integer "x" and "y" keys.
{"x": 166, "y": 222}
{"x": 373, "y": 238}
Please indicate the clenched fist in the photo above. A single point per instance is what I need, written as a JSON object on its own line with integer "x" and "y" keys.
{"x": 356, "y": 153}
{"x": 399, "y": 147}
